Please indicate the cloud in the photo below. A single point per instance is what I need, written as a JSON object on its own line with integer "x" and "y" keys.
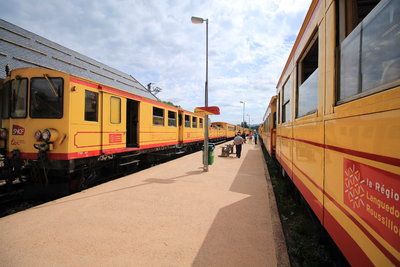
{"x": 154, "y": 41}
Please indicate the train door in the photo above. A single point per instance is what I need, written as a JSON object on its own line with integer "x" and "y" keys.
{"x": 180, "y": 123}
{"x": 132, "y": 123}
{"x": 113, "y": 125}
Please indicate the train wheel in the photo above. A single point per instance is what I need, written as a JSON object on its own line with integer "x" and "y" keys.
{"x": 82, "y": 181}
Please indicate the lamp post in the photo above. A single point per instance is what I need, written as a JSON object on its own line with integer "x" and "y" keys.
{"x": 197, "y": 20}
{"x": 244, "y": 104}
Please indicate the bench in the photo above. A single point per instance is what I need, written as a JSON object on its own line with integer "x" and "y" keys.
{"x": 226, "y": 150}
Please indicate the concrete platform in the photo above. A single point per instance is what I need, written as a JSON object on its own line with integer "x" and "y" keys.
{"x": 173, "y": 214}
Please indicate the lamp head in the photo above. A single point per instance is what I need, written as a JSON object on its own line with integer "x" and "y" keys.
{"x": 197, "y": 20}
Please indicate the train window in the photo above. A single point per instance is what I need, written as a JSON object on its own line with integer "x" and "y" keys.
{"x": 286, "y": 107}
{"x": 46, "y": 97}
{"x": 370, "y": 54}
{"x": 200, "y": 123}
{"x": 19, "y": 90}
{"x": 307, "y": 91}
{"x": 187, "y": 121}
{"x": 278, "y": 108}
{"x": 194, "y": 122}
{"x": 91, "y": 105}
{"x": 158, "y": 116}
{"x": 5, "y": 103}
{"x": 171, "y": 118}
{"x": 115, "y": 109}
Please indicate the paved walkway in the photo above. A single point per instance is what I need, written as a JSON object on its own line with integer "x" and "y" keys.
{"x": 173, "y": 214}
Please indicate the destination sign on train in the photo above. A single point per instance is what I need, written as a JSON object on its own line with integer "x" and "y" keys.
{"x": 207, "y": 110}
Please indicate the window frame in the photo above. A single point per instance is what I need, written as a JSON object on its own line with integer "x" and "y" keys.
{"x": 5, "y": 100}
{"x": 112, "y": 109}
{"x": 194, "y": 122}
{"x": 174, "y": 118}
{"x": 25, "y": 97}
{"x": 190, "y": 122}
{"x": 278, "y": 109}
{"x": 348, "y": 30}
{"x": 97, "y": 106}
{"x": 288, "y": 101}
{"x": 314, "y": 40}
{"x": 61, "y": 97}
{"x": 158, "y": 117}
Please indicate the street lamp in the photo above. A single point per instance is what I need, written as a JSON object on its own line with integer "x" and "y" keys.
{"x": 244, "y": 104}
{"x": 197, "y": 20}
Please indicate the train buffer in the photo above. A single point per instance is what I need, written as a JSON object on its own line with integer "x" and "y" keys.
{"x": 226, "y": 150}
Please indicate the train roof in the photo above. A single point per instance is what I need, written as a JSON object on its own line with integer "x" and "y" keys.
{"x": 21, "y": 48}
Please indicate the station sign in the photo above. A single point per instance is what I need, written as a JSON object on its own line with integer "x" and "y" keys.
{"x": 207, "y": 110}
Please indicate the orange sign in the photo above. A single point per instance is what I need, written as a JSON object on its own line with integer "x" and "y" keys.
{"x": 115, "y": 138}
{"x": 207, "y": 111}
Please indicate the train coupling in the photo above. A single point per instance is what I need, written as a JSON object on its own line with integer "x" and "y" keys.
{"x": 43, "y": 147}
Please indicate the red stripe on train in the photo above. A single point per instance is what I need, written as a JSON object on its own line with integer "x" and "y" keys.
{"x": 375, "y": 157}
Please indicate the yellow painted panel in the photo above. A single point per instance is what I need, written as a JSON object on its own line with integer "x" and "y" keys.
{"x": 308, "y": 156}
{"x": 113, "y": 134}
{"x": 366, "y": 148}
{"x": 83, "y": 136}
{"x": 377, "y": 133}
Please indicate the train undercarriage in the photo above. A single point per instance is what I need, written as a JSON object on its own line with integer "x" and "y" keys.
{"x": 82, "y": 173}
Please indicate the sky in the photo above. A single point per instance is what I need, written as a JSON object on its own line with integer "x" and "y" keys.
{"x": 249, "y": 42}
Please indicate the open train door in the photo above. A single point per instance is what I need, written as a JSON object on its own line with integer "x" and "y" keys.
{"x": 132, "y": 123}
{"x": 180, "y": 126}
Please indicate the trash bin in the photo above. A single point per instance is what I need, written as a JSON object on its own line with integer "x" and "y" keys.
{"x": 211, "y": 147}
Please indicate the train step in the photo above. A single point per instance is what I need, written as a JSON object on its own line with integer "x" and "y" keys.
{"x": 129, "y": 156}
{"x": 130, "y": 162}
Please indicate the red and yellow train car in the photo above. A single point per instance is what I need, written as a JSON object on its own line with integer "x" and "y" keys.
{"x": 227, "y": 131}
{"x": 68, "y": 126}
{"x": 267, "y": 130}
{"x": 338, "y": 124}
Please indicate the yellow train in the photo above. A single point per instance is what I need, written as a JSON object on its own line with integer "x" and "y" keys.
{"x": 60, "y": 126}
{"x": 267, "y": 130}
{"x": 225, "y": 130}
{"x": 338, "y": 124}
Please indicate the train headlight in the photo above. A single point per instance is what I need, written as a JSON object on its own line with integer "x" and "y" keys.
{"x": 46, "y": 135}
{"x": 3, "y": 133}
{"x": 38, "y": 135}
{"x": 49, "y": 135}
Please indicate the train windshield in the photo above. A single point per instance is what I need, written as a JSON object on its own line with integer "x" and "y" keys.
{"x": 46, "y": 97}
{"x": 19, "y": 90}
{"x": 4, "y": 100}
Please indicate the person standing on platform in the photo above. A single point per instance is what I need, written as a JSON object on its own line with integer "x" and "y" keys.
{"x": 255, "y": 137}
{"x": 238, "y": 141}
{"x": 243, "y": 136}
{"x": 250, "y": 137}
